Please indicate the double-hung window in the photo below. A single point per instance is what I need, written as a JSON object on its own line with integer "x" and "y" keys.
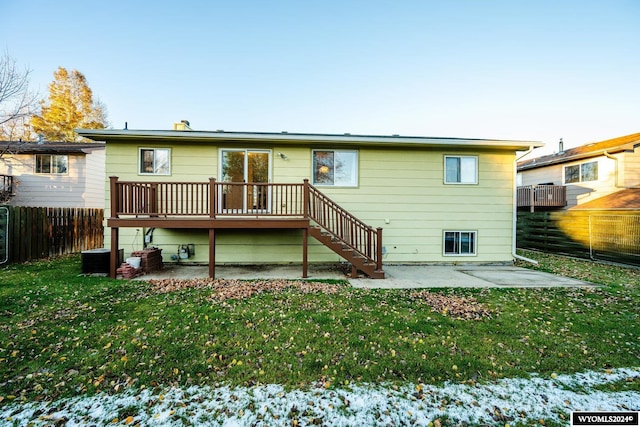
{"x": 155, "y": 161}
{"x": 460, "y": 169}
{"x": 581, "y": 173}
{"x": 460, "y": 243}
{"x": 52, "y": 164}
{"x": 337, "y": 168}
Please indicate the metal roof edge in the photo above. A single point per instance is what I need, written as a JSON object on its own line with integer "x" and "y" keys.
{"x": 532, "y": 164}
{"x": 290, "y": 137}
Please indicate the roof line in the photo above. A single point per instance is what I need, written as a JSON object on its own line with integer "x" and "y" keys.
{"x": 296, "y": 137}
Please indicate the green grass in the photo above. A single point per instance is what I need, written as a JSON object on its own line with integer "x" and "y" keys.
{"x": 62, "y": 334}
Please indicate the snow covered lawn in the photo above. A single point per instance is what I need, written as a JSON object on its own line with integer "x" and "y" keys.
{"x": 515, "y": 401}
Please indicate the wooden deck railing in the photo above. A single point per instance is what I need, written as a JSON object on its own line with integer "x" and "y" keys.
{"x": 257, "y": 200}
{"x": 542, "y": 195}
{"x": 211, "y": 199}
{"x": 6, "y": 187}
{"x": 362, "y": 238}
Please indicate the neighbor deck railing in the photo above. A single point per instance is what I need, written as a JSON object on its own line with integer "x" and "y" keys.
{"x": 542, "y": 195}
{"x": 6, "y": 187}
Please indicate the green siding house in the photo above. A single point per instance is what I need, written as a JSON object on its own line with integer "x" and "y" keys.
{"x": 249, "y": 198}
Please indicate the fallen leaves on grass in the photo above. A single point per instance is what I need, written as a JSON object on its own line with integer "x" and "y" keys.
{"x": 465, "y": 308}
{"x": 240, "y": 289}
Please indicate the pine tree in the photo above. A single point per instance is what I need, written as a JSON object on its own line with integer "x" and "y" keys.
{"x": 70, "y": 106}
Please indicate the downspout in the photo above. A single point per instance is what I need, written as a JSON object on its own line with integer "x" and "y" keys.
{"x": 615, "y": 159}
{"x": 515, "y": 211}
{"x": 617, "y": 172}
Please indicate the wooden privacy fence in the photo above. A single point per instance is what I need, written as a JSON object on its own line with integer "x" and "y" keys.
{"x": 596, "y": 234}
{"x": 35, "y": 232}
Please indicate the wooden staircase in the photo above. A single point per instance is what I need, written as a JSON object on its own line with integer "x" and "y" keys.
{"x": 358, "y": 261}
{"x": 205, "y": 206}
{"x": 344, "y": 234}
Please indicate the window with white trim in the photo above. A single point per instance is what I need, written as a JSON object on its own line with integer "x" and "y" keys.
{"x": 337, "y": 168}
{"x": 52, "y": 164}
{"x": 582, "y": 172}
{"x": 460, "y": 169}
{"x": 155, "y": 161}
{"x": 459, "y": 243}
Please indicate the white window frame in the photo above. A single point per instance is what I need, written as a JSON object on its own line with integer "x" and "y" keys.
{"x": 51, "y": 163}
{"x": 154, "y": 172}
{"x": 581, "y": 172}
{"x": 460, "y": 253}
{"x": 221, "y": 179}
{"x": 354, "y": 173}
{"x": 474, "y": 180}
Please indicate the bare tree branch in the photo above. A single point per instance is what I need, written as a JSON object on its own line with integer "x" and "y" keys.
{"x": 17, "y": 103}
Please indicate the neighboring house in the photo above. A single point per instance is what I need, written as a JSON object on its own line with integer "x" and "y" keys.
{"x": 235, "y": 197}
{"x": 53, "y": 174}
{"x": 603, "y": 174}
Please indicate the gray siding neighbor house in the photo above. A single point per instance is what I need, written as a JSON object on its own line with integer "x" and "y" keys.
{"x": 603, "y": 174}
{"x": 53, "y": 174}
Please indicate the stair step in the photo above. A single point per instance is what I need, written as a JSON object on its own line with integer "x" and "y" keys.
{"x": 358, "y": 261}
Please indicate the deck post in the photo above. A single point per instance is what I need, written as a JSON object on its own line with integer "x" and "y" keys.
{"x": 305, "y": 198}
{"x": 115, "y": 201}
{"x": 213, "y": 198}
{"x": 305, "y": 252}
{"x": 379, "y": 249}
{"x": 113, "y": 194}
{"x": 113, "y": 262}
{"x": 212, "y": 253}
{"x": 532, "y": 199}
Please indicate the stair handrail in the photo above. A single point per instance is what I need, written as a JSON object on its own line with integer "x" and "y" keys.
{"x": 334, "y": 219}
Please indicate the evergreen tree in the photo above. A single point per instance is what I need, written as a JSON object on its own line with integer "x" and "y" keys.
{"x": 70, "y": 106}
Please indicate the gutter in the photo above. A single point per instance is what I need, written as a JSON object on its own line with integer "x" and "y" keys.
{"x": 305, "y": 138}
{"x": 515, "y": 210}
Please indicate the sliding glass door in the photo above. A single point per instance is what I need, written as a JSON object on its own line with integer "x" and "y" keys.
{"x": 245, "y": 166}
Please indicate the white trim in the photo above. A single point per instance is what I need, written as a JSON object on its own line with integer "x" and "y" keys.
{"x": 51, "y": 155}
{"x": 245, "y": 208}
{"x": 475, "y": 243}
{"x": 580, "y": 180}
{"x": 355, "y": 173}
{"x": 139, "y": 167}
{"x": 458, "y": 156}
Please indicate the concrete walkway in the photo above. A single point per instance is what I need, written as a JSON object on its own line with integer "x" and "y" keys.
{"x": 397, "y": 276}
{"x": 466, "y": 276}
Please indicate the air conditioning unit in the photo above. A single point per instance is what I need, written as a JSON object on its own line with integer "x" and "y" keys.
{"x": 98, "y": 260}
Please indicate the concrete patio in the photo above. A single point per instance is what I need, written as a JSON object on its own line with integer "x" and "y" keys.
{"x": 397, "y": 276}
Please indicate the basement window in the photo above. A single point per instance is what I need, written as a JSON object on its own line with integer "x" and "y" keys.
{"x": 460, "y": 243}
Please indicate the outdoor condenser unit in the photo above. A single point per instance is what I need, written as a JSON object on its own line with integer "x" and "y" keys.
{"x": 97, "y": 260}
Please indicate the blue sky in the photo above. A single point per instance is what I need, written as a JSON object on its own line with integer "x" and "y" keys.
{"x": 530, "y": 70}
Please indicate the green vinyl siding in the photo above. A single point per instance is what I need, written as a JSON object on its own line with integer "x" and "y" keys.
{"x": 401, "y": 190}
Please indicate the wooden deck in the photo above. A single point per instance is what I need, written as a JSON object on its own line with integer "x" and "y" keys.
{"x": 222, "y": 205}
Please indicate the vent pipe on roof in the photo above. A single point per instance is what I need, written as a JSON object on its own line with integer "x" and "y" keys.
{"x": 560, "y": 146}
